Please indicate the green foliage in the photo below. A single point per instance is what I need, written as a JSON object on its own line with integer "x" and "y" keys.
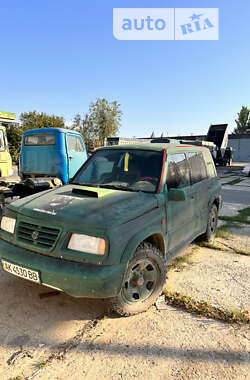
{"x": 243, "y": 121}
{"x": 102, "y": 120}
{"x": 29, "y": 120}
{"x": 241, "y": 217}
{"x": 33, "y": 119}
{"x": 14, "y": 136}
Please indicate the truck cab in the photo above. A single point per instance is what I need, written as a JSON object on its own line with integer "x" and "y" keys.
{"x": 51, "y": 152}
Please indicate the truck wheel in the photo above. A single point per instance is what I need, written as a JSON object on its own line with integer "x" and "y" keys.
{"x": 211, "y": 224}
{"x": 143, "y": 281}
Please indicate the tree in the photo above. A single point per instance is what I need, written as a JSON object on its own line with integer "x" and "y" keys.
{"x": 87, "y": 130}
{"x": 102, "y": 120}
{"x": 30, "y": 120}
{"x": 243, "y": 121}
{"x": 14, "y": 136}
{"x": 33, "y": 119}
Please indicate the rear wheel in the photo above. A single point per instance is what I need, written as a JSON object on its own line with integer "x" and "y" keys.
{"x": 211, "y": 224}
{"x": 143, "y": 281}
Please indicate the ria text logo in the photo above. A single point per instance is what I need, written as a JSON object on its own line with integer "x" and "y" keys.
{"x": 166, "y": 23}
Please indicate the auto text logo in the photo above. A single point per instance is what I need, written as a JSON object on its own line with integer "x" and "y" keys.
{"x": 166, "y": 23}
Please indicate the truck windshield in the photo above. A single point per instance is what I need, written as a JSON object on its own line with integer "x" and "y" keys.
{"x": 131, "y": 170}
{"x": 40, "y": 139}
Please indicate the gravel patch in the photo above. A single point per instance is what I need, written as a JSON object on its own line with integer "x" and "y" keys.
{"x": 220, "y": 277}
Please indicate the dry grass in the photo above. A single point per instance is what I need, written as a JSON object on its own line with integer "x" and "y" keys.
{"x": 180, "y": 262}
{"x": 205, "y": 308}
{"x": 212, "y": 245}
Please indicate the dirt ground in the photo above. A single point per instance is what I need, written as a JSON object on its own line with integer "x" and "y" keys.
{"x": 58, "y": 337}
{"x": 62, "y": 338}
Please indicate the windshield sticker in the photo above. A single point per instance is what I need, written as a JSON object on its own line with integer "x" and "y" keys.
{"x": 126, "y": 162}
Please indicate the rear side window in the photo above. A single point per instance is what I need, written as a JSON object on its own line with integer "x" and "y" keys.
{"x": 178, "y": 175}
{"x": 74, "y": 144}
{"x": 211, "y": 171}
{"x": 40, "y": 139}
{"x": 197, "y": 166}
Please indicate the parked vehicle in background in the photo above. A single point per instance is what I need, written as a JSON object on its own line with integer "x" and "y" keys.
{"x": 49, "y": 157}
{"x": 246, "y": 169}
{"x": 109, "y": 141}
{"x": 51, "y": 153}
{"x": 110, "y": 232}
{"x": 222, "y": 154}
{"x": 6, "y": 119}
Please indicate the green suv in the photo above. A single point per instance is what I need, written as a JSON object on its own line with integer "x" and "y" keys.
{"x": 110, "y": 232}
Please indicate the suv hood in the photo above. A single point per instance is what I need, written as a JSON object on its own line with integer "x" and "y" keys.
{"x": 84, "y": 205}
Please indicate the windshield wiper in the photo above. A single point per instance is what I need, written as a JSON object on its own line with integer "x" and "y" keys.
{"x": 117, "y": 187}
{"x": 85, "y": 184}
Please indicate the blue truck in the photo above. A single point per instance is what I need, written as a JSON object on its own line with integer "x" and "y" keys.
{"x": 48, "y": 157}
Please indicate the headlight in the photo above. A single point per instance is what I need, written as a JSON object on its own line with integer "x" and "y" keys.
{"x": 89, "y": 244}
{"x": 8, "y": 224}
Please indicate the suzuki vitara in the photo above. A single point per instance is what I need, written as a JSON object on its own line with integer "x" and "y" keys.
{"x": 110, "y": 232}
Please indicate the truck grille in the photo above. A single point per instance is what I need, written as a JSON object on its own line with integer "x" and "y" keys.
{"x": 44, "y": 237}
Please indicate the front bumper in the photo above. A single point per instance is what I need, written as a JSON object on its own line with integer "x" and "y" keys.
{"x": 75, "y": 279}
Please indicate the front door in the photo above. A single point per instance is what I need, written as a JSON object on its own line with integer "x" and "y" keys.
{"x": 77, "y": 153}
{"x": 180, "y": 214}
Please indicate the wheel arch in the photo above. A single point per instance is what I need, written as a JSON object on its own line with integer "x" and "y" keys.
{"x": 154, "y": 237}
{"x": 217, "y": 203}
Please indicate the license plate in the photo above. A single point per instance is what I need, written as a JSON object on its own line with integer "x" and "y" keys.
{"x": 22, "y": 272}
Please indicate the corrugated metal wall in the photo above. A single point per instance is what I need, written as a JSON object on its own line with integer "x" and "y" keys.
{"x": 241, "y": 148}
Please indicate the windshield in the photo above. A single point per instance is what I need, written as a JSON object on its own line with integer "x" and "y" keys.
{"x": 131, "y": 170}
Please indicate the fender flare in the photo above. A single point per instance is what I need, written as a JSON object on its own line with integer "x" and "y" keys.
{"x": 137, "y": 239}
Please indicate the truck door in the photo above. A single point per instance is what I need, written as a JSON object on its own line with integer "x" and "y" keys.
{"x": 77, "y": 153}
{"x": 180, "y": 214}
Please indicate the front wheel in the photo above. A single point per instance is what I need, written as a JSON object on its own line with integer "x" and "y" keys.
{"x": 143, "y": 281}
{"x": 211, "y": 224}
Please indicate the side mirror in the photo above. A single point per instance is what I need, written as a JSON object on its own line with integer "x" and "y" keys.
{"x": 176, "y": 195}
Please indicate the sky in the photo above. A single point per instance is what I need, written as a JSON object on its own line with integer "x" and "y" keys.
{"x": 57, "y": 56}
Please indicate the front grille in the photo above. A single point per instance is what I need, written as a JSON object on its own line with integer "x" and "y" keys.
{"x": 40, "y": 236}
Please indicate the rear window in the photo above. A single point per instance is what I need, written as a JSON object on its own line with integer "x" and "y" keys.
{"x": 40, "y": 139}
{"x": 198, "y": 166}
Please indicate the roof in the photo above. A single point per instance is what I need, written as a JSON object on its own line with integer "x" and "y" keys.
{"x": 153, "y": 147}
{"x": 42, "y": 130}
{"x": 7, "y": 115}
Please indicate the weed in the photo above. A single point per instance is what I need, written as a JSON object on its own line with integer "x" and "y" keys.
{"x": 241, "y": 252}
{"x": 212, "y": 245}
{"x": 42, "y": 364}
{"x": 241, "y": 217}
{"x": 223, "y": 233}
{"x": 205, "y": 308}
{"x": 238, "y": 180}
{"x": 179, "y": 262}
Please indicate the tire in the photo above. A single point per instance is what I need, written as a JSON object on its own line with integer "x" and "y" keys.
{"x": 210, "y": 233}
{"x": 143, "y": 281}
